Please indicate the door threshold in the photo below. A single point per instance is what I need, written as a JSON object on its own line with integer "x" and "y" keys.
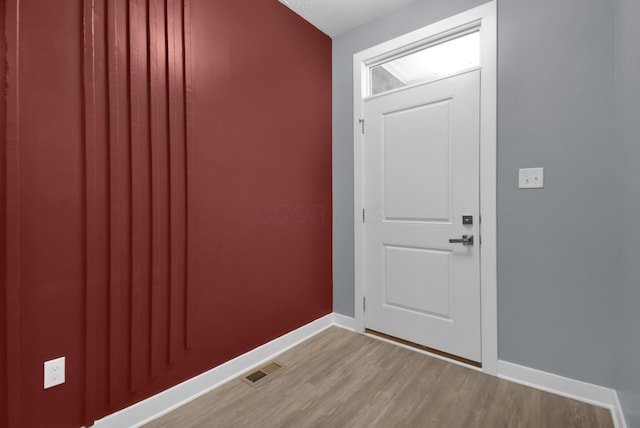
{"x": 424, "y": 348}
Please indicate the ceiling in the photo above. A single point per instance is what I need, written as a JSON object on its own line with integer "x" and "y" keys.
{"x": 334, "y": 17}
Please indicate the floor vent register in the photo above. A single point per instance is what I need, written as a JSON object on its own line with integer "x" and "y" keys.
{"x": 262, "y": 374}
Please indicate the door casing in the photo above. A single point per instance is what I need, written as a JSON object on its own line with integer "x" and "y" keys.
{"x": 484, "y": 18}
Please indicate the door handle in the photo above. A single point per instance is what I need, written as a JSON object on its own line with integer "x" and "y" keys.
{"x": 466, "y": 240}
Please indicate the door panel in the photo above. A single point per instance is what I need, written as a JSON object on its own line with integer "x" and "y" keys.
{"x": 421, "y": 175}
{"x": 417, "y": 156}
{"x": 409, "y": 283}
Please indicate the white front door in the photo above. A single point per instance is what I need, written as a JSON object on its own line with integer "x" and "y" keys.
{"x": 421, "y": 176}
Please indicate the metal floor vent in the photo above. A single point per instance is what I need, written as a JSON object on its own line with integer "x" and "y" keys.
{"x": 260, "y": 375}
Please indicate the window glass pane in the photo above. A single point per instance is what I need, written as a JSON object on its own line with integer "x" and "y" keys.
{"x": 427, "y": 64}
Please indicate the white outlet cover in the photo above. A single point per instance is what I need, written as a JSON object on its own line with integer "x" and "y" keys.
{"x": 54, "y": 372}
{"x": 531, "y": 178}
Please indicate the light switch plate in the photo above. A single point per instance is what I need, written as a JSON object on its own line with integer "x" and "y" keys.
{"x": 531, "y": 178}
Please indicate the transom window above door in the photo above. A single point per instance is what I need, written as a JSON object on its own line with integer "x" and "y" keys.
{"x": 425, "y": 64}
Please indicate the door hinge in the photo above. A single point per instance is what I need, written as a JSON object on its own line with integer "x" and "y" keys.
{"x": 364, "y": 304}
{"x": 364, "y": 215}
{"x": 361, "y": 121}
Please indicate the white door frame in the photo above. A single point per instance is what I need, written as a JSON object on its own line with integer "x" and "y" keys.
{"x": 484, "y": 18}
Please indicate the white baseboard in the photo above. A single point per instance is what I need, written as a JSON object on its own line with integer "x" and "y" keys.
{"x": 343, "y": 321}
{"x": 172, "y": 398}
{"x": 566, "y": 387}
{"x": 619, "y": 421}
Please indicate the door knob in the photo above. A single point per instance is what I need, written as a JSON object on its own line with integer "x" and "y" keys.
{"x": 466, "y": 240}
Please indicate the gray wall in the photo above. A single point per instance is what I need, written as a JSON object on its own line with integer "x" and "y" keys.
{"x": 558, "y": 260}
{"x": 628, "y": 127}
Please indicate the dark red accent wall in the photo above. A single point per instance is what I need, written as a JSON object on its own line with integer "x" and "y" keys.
{"x": 3, "y": 331}
{"x": 165, "y": 194}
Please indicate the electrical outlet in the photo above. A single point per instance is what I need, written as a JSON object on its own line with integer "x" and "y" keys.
{"x": 53, "y": 372}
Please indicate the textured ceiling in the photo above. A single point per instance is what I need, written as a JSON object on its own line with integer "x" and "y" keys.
{"x": 334, "y": 17}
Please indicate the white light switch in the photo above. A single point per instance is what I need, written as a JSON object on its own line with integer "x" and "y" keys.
{"x": 531, "y": 178}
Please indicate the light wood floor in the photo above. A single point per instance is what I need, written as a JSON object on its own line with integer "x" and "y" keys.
{"x": 342, "y": 379}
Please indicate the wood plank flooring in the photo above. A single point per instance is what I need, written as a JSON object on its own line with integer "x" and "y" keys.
{"x": 342, "y": 379}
